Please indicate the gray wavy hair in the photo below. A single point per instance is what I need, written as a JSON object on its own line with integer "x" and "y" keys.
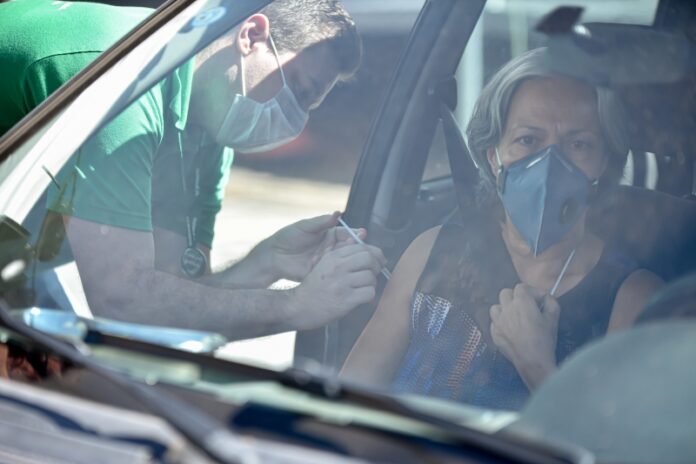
{"x": 488, "y": 119}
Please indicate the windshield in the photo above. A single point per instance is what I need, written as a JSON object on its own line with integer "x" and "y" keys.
{"x": 520, "y": 217}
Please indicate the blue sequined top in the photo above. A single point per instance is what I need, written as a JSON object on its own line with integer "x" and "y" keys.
{"x": 450, "y": 356}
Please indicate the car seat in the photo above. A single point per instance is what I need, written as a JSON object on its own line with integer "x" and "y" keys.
{"x": 655, "y": 229}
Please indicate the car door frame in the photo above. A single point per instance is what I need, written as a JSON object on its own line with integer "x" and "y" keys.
{"x": 388, "y": 178}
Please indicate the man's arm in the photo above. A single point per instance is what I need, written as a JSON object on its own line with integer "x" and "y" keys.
{"x": 290, "y": 253}
{"x": 252, "y": 271}
{"x": 120, "y": 280}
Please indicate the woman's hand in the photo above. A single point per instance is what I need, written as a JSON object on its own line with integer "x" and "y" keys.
{"x": 524, "y": 327}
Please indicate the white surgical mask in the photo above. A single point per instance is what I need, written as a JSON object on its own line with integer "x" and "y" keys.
{"x": 252, "y": 127}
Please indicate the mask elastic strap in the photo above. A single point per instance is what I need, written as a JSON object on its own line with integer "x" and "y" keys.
{"x": 497, "y": 158}
{"x": 241, "y": 73}
{"x": 275, "y": 53}
{"x": 594, "y": 190}
{"x": 502, "y": 173}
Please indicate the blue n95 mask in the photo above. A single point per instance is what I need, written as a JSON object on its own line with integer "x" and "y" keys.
{"x": 252, "y": 126}
{"x": 544, "y": 195}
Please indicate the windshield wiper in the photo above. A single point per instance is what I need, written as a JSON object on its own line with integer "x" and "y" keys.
{"x": 202, "y": 431}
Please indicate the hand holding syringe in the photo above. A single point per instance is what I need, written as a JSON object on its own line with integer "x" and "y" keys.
{"x": 385, "y": 272}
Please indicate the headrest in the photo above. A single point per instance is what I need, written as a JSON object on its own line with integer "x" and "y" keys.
{"x": 622, "y": 54}
{"x": 652, "y": 70}
{"x": 655, "y": 229}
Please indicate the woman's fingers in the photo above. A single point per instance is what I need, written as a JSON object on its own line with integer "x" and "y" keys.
{"x": 524, "y": 291}
{"x": 496, "y": 311}
{"x": 551, "y": 309}
{"x": 505, "y": 296}
{"x": 537, "y": 294}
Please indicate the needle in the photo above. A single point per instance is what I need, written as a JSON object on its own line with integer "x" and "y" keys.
{"x": 563, "y": 271}
{"x": 385, "y": 272}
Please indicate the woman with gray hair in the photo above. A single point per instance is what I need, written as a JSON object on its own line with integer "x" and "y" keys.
{"x": 484, "y": 312}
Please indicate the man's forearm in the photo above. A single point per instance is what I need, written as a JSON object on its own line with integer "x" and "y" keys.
{"x": 255, "y": 271}
{"x": 159, "y": 298}
{"x": 123, "y": 283}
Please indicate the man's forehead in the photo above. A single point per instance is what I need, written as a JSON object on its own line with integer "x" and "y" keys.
{"x": 318, "y": 54}
{"x": 317, "y": 64}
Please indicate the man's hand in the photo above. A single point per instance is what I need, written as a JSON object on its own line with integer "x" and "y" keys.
{"x": 342, "y": 279}
{"x": 295, "y": 249}
{"x": 290, "y": 253}
{"x": 524, "y": 326}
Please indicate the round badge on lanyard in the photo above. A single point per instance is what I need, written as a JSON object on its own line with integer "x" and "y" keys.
{"x": 193, "y": 262}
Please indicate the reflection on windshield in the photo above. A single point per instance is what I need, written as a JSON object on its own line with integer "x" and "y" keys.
{"x": 505, "y": 298}
{"x": 125, "y": 230}
{"x": 19, "y": 363}
{"x": 212, "y": 202}
{"x": 137, "y": 205}
{"x": 568, "y": 241}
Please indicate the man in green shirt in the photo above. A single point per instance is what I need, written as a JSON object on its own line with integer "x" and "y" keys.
{"x": 140, "y": 197}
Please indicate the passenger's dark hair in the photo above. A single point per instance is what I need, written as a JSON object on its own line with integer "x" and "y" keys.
{"x": 297, "y": 24}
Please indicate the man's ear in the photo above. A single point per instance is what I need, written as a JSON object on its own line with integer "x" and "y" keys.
{"x": 255, "y": 30}
{"x": 492, "y": 161}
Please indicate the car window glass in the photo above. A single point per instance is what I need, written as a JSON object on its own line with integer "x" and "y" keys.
{"x": 507, "y": 30}
{"x": 161, "y": 157}
{"x": 437, "y": 164}
{"x": 583, "y": 204}
{"x": 451, "y": 333}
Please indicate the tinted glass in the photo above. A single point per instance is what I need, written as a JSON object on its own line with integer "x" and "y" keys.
{"x": 197, "y": 210}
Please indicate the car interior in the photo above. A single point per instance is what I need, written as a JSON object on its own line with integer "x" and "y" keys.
{"x": 651, "y": 216}
{"x": 416, "y": 173}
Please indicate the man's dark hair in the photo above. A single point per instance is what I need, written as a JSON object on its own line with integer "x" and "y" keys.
{"x": 297, "y": 24}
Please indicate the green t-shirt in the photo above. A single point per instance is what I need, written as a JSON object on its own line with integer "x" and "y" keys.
{"x": 129, "y": 173}
{"x": 43, "y": 43}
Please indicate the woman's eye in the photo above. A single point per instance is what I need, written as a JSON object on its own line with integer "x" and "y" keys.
{"x": 527, "y": 140}
{"x": 581, "y": 145}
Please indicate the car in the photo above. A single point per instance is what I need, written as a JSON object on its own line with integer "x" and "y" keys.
{"x": 84, "y": 382}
